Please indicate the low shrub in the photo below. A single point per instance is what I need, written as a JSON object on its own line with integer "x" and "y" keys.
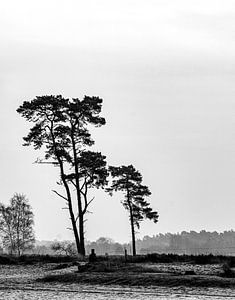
{"x": 227, "y": 271}
{"x": 32, "y": 259}
{"x": 7, "y": 260}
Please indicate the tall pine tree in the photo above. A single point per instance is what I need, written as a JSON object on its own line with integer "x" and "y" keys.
{"x": 61, "y": 129}
{"x": 129, "y": 181}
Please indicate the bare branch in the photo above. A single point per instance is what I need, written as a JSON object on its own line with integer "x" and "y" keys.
{"x": 86, "y": 205}
{"x": 40, "y": 161}
{"x": 60, "y": 195}
{"x": 84, "y": 183}
{"x": 73, "y": 183}
{"x": 90, "y": 201}
{"x": 77, "y": 218}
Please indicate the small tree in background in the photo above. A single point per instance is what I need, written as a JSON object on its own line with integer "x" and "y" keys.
{"x": 129, "y": 181}
{"x": 65, "y": 247}
{"x": 16, "y": 225}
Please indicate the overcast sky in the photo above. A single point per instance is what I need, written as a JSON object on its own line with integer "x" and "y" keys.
{"x": 166, "y": 72}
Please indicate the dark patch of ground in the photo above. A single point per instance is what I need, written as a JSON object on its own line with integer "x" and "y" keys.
{"x": 144, "y": 275}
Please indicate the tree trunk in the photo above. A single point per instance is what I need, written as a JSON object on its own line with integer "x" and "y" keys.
{"x": 73, "y": 220}
{"x": 69, "y": 199}
{"x": 82, "y": 238}
{"x": 132, "y": 224}
{"x": 74, "y": 226}
{"x": 79, "y": 201}
{"x": 132, "y": 232}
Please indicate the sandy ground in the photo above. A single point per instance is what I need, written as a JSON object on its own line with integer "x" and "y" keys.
{"x": 163, "y": 282}
{"x": 152, "y": 274}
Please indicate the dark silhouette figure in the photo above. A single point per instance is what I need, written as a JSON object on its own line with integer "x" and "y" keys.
{"x": 92, "y": 256}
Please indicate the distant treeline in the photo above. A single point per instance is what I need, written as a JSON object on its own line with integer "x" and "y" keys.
{"x": 192, "y": 242}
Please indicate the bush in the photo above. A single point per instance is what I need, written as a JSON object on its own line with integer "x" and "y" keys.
{"x": 7, "y": 260}
{"x": 227, "y": 271}
{"x": 171, "y": 258}
{"x": 32, "y": 259}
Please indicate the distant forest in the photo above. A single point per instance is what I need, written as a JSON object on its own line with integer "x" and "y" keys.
{"x": 192, "y": 242}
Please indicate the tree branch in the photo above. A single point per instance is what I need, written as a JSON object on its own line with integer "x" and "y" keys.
{"x": 66, "y": 199}
{"x": 77, "y": 218}
{"x": 83, "y": 185}
{"x": 86, "y": 205}
{"x": 74, "y": 184}
{"x": 40, "y": 161}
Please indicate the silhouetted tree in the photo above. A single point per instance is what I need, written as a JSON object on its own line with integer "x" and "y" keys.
{"x": 61, "y": 127}
{"x": 129, "y": 181}
{"x": 16, "y": 225}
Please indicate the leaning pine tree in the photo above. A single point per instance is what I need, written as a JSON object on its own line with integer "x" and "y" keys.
{"x": 61, "y": 129}
{"x": 129, "y": 181}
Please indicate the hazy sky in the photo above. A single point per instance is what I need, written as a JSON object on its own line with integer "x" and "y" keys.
{"x": 166, "y": 72}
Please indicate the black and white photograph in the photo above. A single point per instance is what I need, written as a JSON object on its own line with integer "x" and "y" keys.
{"x": 117, "y": 128}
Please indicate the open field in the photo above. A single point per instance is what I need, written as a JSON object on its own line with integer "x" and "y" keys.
{"x": 145, "y": 274}
{"x": 105, "y": 280}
